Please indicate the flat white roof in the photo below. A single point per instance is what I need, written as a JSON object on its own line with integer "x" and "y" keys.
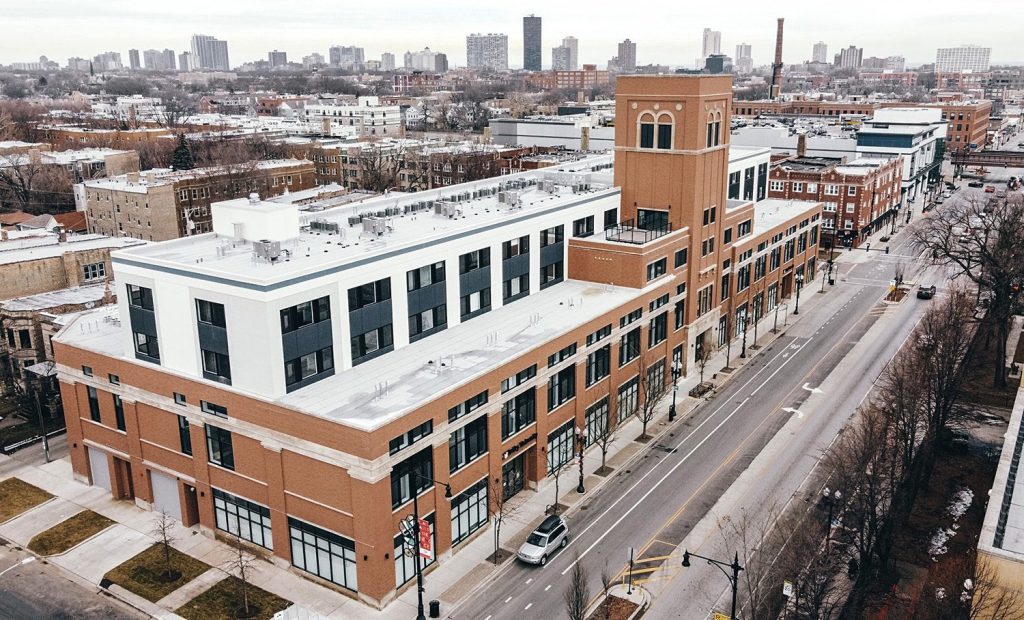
{"x": 315, "y": 250}
{"x": 773, "y": 212}
{"x": 1009, "y": 520}
{"x": 75, "y": 295}
{"x": 47, "y": 245}
{"x": 383, "y": 389}
{"x": 165, "y": 176}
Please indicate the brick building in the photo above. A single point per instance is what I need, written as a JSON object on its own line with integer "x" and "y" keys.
{"x": 159, "y": 204}
{"x": 69, "y": 137}
{"x": 299, "y": 385}
{"x": 858, "y": 197}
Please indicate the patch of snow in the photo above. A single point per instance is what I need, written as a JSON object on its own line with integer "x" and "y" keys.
{"x": 957, "y": 508}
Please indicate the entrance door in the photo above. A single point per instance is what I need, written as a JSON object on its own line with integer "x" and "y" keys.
{"x": 165, "y": 494}
{"x": 513, "y": 476}
{"x": 191, "y": 516}
{"x": 99, "y": 468}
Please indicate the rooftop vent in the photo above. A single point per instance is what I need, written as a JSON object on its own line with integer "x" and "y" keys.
{"x": 267, "y": 250}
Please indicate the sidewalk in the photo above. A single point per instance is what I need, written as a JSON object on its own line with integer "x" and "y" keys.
{"x": 453, "y": 578}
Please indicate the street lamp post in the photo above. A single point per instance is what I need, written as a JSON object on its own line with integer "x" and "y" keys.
{"x": 581, "y": 437}
{"x": 734, "y": 578}
{"x": 743, "y": 350}
{"x": 831, "y": 499}
{"x": 676, "y": 371}
{"x": 799, "y": 283}
{"x": 415, "y": 531}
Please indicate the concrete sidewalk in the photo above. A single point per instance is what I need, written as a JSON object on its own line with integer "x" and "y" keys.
{"x": 454, "y": 577}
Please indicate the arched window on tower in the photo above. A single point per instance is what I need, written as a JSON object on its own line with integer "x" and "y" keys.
{"x": 666, "y": 126}
{"x": 646, "y": 132}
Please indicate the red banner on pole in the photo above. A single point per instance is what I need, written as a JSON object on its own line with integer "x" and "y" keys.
{"x": 424, "y": 539}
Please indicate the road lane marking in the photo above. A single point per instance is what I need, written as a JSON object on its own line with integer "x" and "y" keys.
{"x": 799, "y": 414}
{"x": 814, "y": 390}
{"x": 547, "y": 588}
{"x": 529, "y": 580}
{"x": 528, "y": 606}
{"x": 508, "y": 599}
{"x": 685, "y": 458}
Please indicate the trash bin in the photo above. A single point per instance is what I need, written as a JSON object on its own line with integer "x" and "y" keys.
{"x": 435, "y": 609}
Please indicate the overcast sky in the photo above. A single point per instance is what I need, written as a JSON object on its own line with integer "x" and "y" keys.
{"x": 664, "y": 33}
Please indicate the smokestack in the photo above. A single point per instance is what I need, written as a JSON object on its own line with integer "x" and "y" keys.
{"x": 776, "y": 89}
{"x": 801, "y": 145}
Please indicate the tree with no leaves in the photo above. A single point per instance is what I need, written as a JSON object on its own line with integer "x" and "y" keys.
{"x": 163, "y": 529}
{"x": 604, "y": 440}
{"x": 983, "y": 240}
{"x": 652, "y": 389}
{"x": 241, "y": 564}
{"x": 577, "y": 592}
{"x": 501, "y": 510}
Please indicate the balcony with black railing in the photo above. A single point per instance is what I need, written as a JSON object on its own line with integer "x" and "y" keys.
{"x": 627, "y": 232}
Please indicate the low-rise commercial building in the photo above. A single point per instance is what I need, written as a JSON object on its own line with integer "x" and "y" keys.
{"x": 296, "y": 380}
{"x": 916, "y": 136}
{"x": 859, "y": 196}
{"x": 367, "y": 115}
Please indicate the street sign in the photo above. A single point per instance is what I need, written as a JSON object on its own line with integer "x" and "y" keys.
{"x": 719, "y": 616}
{"x": 787, "y": 589}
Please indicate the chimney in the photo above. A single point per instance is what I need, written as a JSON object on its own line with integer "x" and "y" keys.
{"x": 801, "y": 145}
{"x": 108, "y": 295}
{"x": 133, "y": 177}
{"x": 776, "y": 88}
{"x": 62, "y": 234}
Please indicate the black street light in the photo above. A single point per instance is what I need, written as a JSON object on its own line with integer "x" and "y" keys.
{"x": 581, "y": 437}
{"x": 734, "y": 578}
{"x": 414, "y": 528}
{"x": 676, "y": 371}
{"x": 799, "y": 283}
{"x": 831, "y": 499}
{"x": 746, "y": 317}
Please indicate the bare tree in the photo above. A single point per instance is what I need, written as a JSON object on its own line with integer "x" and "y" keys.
{"x": 177, "y": 112}
{"x": 380, "y": 167}
{"x": 577, "y": 592}
{"x": 607, "y": 579}
{"x": 29, "y": 184}
{"x": 899, "y": 270}
{"x": 652, "y": 387}
{"x": 761, "y": 579}
{"x": 163, "y": 529}
{"x": 501, "y": 510}
{"x": 604, "y": 441}
{"x": 702, "y": 357}
{"x": 241, "y": 564}
{"x": 984, "y": 241}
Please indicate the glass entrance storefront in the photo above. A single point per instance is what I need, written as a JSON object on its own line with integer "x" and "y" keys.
{"x": 513, "y": 476}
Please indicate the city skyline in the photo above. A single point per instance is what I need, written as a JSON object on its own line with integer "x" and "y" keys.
{"x": 33, "y": 32}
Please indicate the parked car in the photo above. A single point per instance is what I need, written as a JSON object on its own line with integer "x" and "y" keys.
{"x": 990, "y": 189}
{"x": 975, "y": 184}
{"x": 552, "y": 534}
{"x": 926, "y": 291}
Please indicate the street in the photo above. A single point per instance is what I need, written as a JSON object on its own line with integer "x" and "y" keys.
{"x": 809, "y": 381}
{"x": 37, "y": 591}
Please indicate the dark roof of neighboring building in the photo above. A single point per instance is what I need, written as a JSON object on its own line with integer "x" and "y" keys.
{"x": 73, "y": 221}
{"x": 810, "y": 164}
{"x": 17, "y": 217}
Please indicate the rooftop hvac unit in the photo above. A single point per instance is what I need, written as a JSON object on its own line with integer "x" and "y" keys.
{"x": 547, "y": 186}
{"x": 375, "y": 225}
{"x": 266, "y": 249}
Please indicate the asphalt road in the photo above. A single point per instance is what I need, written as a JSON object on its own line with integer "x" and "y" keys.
{"x": 37, "y": 591}
{"x": 654, "y": 506}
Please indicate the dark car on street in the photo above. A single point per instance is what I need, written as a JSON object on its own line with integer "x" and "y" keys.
{"x": 926, "y": 291}
{"x": 975, "y": 184}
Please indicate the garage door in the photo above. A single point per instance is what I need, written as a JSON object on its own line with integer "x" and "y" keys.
{"x": 99, "y": 467}
{"x": 165, "y": 494}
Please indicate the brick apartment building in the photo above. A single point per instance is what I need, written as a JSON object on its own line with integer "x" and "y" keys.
{"x": 412, "y": 165}
{"x": 968, "y": 120}
{"x": 858, "y": 196}
{"x": 63, "y": 137}
{"x": 582, "y": 79}
{"x": 157, "y": 205}
{"x": 298, "y": 386}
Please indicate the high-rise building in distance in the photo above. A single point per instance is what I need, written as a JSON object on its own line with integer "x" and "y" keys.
{"x": 210, "y": 53}
{"x": 186, "y": 61}
{"x": 107, "y": 61}
{"x": 133, "y": 60}
{"x": 487, "y": 51}
{"x": 387, "y": 61}
{"x": 347, "y": 56}
{"x": 277, "y": 59}
{"x": 963, "y": 58}
{"x": 712, "y": 42}
{"x": 627, "y": 56}
{"x": 574, "y": 52}
{"x": 850, "y": 58}
{"x": 532, "y": 43}
{"x": 561, "y": 57}
{"x": 820, "y": 53}
{"x": 743, "y": 63}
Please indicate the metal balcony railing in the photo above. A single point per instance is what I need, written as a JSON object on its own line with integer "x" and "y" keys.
{"x": 627, "y": 232}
